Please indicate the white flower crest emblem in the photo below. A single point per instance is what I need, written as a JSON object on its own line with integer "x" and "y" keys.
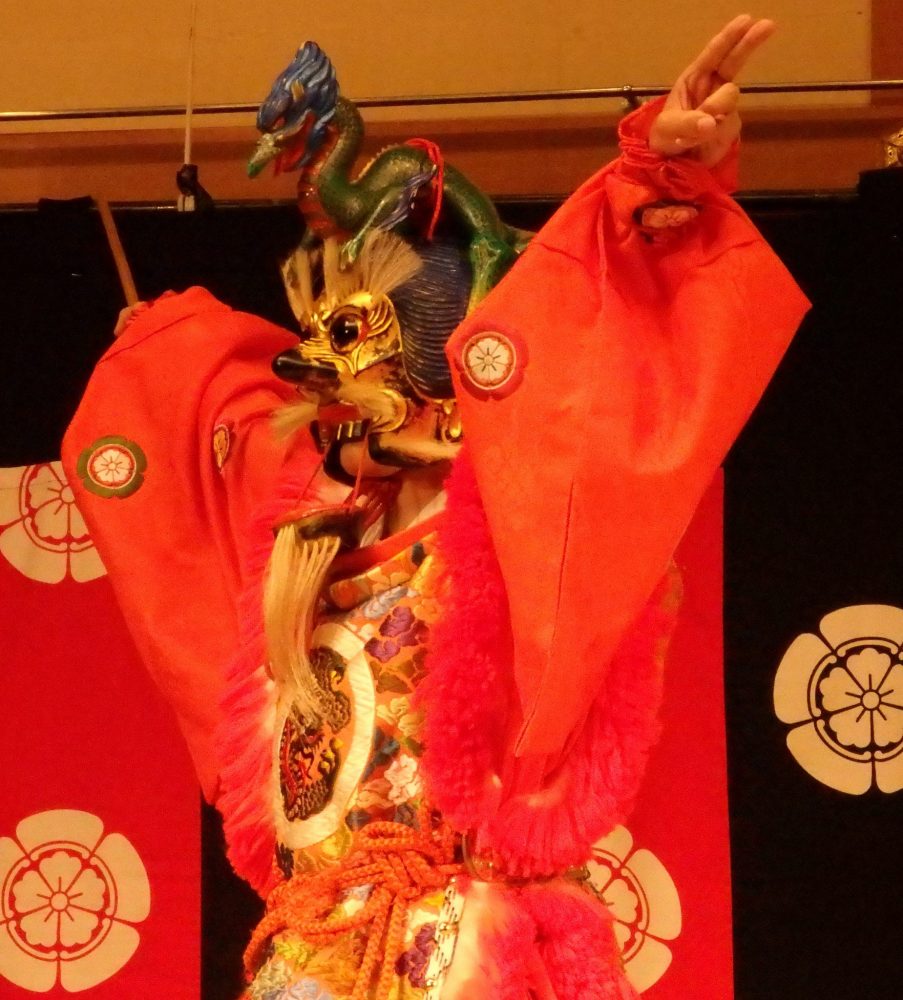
{"x": 491, "y": 363}
{"x": 70, "y": 895}
{"x": 489, "y": 360}
{"x": 643, "y": 901}
{"x": 112, "y": 467}
{"x": 42, "y": 532}
{"x": 842, "y": 694}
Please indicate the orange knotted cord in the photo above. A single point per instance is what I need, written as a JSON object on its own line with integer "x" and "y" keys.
{"x": 402, "y": 864}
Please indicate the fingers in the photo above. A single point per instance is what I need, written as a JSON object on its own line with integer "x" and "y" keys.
{"x": 721, "y": 102}
{"x": 124, "y": 316}
{"x": 696, "y": 128}
{"x": 700, "y": 112}
{"x": 713, "y": 151}
{"x": 721, "y": 45}
{"x": 727, "y": 53}
{"x": 678, "y": 131}
{"x": 734, "y": 61}
{"x": 721, "y": 60}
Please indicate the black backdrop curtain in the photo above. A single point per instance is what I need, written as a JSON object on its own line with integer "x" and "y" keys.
{"x": 813, "y": 489}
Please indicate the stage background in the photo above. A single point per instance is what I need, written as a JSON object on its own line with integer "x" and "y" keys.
{"x": 810, "y": 508}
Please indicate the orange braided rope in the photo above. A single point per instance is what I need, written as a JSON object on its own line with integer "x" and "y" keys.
{"x": 402, "y": 864}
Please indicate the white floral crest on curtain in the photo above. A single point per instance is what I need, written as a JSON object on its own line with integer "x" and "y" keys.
{"x": 842, "y": 692}
{"x": 70, "y": 895}
{"x": 644, "y": 904}
{"x": 42, "y": 533}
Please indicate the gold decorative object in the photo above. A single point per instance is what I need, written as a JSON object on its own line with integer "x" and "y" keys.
{"x": 893, "y": 150}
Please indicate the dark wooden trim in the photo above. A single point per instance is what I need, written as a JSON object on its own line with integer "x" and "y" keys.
{"x": 789, "y": 148}
{"x": 887, "y": 47}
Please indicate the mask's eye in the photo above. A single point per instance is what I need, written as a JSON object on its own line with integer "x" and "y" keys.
{"x": 345, "y": 332}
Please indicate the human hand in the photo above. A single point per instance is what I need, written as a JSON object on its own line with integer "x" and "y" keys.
{"x": 700, "y": 114}
{"x": 124, "y": 316}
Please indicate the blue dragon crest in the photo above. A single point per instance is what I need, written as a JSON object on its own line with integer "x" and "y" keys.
{"x": 306, "y": 89}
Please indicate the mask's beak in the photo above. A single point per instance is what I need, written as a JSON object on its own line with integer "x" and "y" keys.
{"x": 291, "y": 367}
{"x": 265, "y": 151}
{"x": 286, "y": 145}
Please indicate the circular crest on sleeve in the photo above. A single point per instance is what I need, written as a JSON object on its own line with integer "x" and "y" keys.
{"x": 491, "y": 363}
{"x": 112, "y": 466}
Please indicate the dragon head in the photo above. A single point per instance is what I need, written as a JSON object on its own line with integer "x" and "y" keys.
{"x": 295, "y": 114}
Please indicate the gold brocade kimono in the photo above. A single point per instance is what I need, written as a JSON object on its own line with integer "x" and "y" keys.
{"x": 359, "y": 767}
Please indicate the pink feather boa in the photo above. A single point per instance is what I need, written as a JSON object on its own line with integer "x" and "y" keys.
{"x": 534, "y": 817}
{"x": 532, "y": 826}
{"x": 546, "y": 941}
{"x": 244, "y": 738}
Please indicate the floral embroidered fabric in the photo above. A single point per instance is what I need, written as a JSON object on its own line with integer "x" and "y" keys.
{"x": 359, "y": 766}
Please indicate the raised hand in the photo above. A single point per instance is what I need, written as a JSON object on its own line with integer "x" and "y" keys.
{"x": 700, "y": 114}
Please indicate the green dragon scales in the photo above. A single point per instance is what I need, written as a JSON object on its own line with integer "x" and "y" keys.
{"x": 307, "y": 126}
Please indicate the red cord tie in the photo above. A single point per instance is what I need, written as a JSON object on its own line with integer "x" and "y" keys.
{"x": 437, "y": 184}
{"x": 400, "y": 863}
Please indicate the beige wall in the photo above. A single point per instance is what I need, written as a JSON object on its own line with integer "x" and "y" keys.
{"x": 100, "y": 53}
{"x": 97, "y": 53}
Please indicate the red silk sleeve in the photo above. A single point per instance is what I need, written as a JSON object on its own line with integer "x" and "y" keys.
{"x": 182, "y": 402}
{"x": 601, "y": 385}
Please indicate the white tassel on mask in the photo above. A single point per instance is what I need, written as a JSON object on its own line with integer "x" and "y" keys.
{"x": 296, "y": 574}
{"x": 385, "y": 262}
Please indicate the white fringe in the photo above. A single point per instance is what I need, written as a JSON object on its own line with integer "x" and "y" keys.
{"x": 385, "y": 262}
{"x": 293, "y": 417}
{"x": 295, "y": 575}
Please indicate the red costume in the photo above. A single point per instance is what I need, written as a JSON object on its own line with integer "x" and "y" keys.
{"x": 600, "y": 386}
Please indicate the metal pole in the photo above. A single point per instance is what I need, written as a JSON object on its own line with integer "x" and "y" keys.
{"x": 627, "y": 92}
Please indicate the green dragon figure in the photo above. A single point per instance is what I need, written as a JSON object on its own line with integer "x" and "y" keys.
{"x": 307, "y": 126}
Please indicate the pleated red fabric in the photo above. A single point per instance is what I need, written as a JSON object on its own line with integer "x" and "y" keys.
{"x": 601, "y": 385}
{"x": 182, "y": 401}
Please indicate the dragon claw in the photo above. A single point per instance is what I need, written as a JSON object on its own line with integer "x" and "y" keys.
{"x": 351, "y": 250}
{"x": 489, "y": 259}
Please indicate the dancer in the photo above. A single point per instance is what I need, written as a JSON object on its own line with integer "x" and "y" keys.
{"x": 450, "y": 602}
